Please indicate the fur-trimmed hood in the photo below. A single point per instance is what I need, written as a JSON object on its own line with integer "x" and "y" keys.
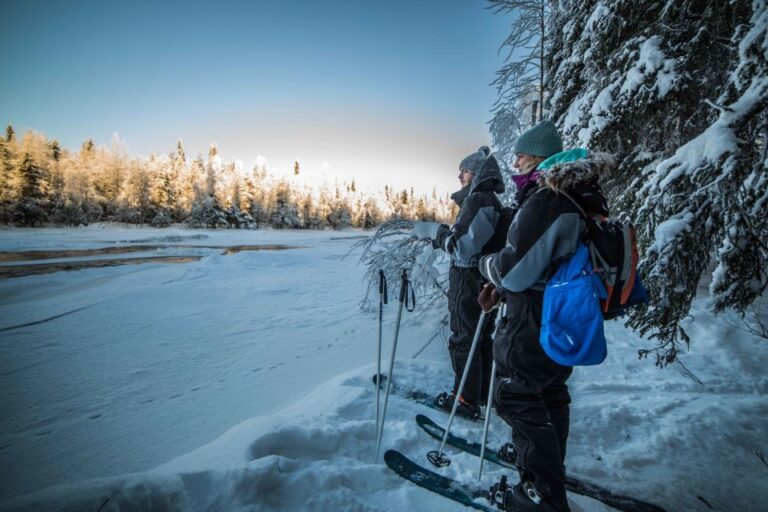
{"x": 568, "y": 175}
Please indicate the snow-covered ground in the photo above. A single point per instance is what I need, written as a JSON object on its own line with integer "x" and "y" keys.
{"x": 242, "y": 382}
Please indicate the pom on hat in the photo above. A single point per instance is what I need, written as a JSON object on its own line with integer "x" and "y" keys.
{"x": 474, "y": 162}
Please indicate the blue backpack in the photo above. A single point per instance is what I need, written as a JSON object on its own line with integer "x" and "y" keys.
{"x": 572, "y": 320}
{"x": 599, "y": 281}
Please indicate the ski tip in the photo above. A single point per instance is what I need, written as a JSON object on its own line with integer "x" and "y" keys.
{"x": 422, "y": 419}
{"x": 391, "y": 456}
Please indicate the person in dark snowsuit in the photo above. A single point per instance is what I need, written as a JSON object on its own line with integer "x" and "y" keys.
{"x": 466, "y": 241}
{"x": 531, "y": 394}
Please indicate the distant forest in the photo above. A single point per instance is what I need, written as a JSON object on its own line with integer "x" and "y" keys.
{"x": 42, "y": 183}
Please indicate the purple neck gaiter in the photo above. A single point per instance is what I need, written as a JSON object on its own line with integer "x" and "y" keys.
{"x": 521, "y": 180}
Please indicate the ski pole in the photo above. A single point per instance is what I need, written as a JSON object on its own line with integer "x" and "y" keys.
{"x": 437, "y": 458}
{"x": 489, "y": 401}
{"x": 487, "y": 418}
{"x": 403, "y": 291}
{"x": 382, "y": 301}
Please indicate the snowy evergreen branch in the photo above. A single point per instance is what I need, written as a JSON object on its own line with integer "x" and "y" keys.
{"x": 755, "y": 320}
{"x": 649, "y": 85}
{"x": 393, "y": 248}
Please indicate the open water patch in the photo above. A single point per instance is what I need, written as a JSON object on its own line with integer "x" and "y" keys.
{"x": 11, "y": 256}
{"x": 19, "y": 269}
{"x": 11, "y": 271}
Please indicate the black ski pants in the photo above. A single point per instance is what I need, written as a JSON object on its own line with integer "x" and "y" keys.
{"x": 464, "y": 285}
{"x": 531, "y": 395}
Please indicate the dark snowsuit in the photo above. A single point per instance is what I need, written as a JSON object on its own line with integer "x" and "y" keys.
{"x": 466, "y": 241}
{"x": 531, "y": 393}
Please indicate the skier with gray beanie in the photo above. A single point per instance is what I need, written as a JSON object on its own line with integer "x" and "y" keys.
{"x": 472, "y": 235}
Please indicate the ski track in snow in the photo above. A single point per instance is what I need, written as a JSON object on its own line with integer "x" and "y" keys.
{"x": 44, "y": 320}
{"x": 244, "y": 381}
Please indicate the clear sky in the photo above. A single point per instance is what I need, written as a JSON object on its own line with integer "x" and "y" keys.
{"x": 392, "y": 91}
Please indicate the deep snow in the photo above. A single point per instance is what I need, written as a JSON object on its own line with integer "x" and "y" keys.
{"x": 242, "y": 382}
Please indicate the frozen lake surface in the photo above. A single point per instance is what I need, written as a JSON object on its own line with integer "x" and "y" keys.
{"x": 226, "y": 382}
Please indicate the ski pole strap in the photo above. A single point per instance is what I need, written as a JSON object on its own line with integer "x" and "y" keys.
{"x": 405, "y": 286}
{"x": 383, "y": 286}
{"x": 413, "y": 299}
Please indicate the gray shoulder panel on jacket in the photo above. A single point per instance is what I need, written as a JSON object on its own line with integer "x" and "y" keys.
{"x": 557, "y": 242}
{"x": 480, "y": 231}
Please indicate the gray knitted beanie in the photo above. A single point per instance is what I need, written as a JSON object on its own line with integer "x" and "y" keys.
{"x": 541, "y": 140}
{"x": 474, "y": 162}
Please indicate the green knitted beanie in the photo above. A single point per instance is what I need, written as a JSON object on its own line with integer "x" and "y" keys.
{"x": 541, "y": 140}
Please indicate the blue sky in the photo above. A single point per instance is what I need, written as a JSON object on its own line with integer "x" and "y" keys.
{"x": 387, "y": 92}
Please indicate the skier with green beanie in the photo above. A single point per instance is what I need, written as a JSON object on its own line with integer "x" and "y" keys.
{"x": 530, "y": 393}
{"x": 532, "y": 148}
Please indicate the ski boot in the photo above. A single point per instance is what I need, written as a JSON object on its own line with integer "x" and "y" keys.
{"x": 508, "y": 453}
{"x": 445, "y": 401}
{"x": 522, "y": 497}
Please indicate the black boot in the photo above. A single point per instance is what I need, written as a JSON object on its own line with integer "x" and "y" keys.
{"x": 508, "y": 453}
{"x": 522, "y": 497}
{"x": 467, "y": 410}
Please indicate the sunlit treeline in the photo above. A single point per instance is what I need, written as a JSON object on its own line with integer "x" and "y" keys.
{"x": 41, "y": 183}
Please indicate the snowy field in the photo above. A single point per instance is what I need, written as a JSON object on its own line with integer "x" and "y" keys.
{"x": 241, "y": 382}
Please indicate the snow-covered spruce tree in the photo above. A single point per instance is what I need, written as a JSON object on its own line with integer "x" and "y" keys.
{"x": 109, "y": 178}
{"x": 188, "y": 177}
{"x": 163, "y": 190}
{"x": 56, "y": 177}
{"x": 30, "y": 210}
{"x": 678, "y": 90}
{"x": 135, "y": 197}
{"x": 86, "y": 163}
{"x": 207, "y": 213}
{"x": 7, "y": 179}
{"x": 285, "y": 214}
{"x": 520, "y": 81}
{"x": 339, "y": 216}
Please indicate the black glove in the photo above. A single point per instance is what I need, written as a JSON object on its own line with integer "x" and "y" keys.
{"x": 442, "y": 231}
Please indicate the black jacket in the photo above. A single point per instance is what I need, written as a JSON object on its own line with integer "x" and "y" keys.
{"x": 480, "y": 210}
{"x": 548, "y": 226}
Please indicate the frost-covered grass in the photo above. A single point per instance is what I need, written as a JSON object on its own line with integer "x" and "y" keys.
{"x": 242, "y": 382}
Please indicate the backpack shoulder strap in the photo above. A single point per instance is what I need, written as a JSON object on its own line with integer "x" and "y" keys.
{"x": 574, "y": 202}
{"x": 494, "y": 197}
{"x": 585, "y": 235}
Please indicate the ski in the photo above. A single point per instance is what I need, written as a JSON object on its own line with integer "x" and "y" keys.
{"x": 468, "y": 495}
{"x": 419, "y": 397}
{"x": 572, "y": 484}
